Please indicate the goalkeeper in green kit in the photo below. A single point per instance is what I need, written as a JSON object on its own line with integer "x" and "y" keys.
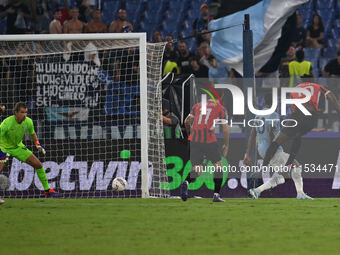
{"x": 12, "y": 131}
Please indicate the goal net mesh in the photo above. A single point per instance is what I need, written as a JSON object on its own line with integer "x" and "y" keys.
{"x": 84, "y": 99}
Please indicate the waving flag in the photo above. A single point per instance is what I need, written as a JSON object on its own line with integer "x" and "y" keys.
{"x": 266, "y": 20}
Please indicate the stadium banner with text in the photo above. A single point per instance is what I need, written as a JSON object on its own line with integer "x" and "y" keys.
{"x": 74, "y": 90}
{"x": 61, "y": 83}
{"x": 78, "y": 170}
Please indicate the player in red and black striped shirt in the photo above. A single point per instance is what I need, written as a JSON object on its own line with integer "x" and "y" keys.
{"x": 203, "y": 142}
{"x": 305, "y": 123}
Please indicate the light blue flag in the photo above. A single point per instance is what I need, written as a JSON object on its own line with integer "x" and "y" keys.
{"x": 266, "y": 21}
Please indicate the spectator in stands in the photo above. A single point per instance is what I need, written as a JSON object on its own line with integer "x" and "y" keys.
{"x": 299, "y": 68}
{"x": 332, "y": 69}
{"x": 204, "y": 53}
{"x": 183, "y": 57}
{"x": 157, "y": 37}
{"x": 17, "y": 16}
{"x": 96, "y": 25}
{"x": 315, "y": 33}
{"x": 300, "y": 33}
{"x": 55, "y": 25}
{"x": 284, "y": 66}
{"x": 218, "y": 72}
{"x": 169, "y": 52}
{"x": 74, "y": 26}
{"x": 206, "y": 36}
{"x": 171, "y": 127}
{"x": 170, "y": 57}
{"x": 121, "y": 25}
{"x": 41, "y": 16}
{"x": 64, "y": 9}
{"x": 200, "y": 71}
{"x": 84, "y": 10}
{"x": 201, "y": 23}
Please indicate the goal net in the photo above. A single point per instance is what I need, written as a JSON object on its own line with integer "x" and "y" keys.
{"x": 95, "y": 100}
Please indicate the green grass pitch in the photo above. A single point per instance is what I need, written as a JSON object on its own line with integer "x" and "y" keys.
{"x": 169, "y": 226}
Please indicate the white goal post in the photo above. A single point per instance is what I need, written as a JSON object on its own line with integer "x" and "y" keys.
{"x": 117, "y": 51}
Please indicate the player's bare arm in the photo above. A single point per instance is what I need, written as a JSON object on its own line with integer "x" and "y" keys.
{"x": 251, "y": 143}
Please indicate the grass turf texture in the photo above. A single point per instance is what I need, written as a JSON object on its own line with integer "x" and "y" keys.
{"x": 169, "y": 226}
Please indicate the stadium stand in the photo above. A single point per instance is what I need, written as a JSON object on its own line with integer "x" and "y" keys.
{"x": 176, "y": 17}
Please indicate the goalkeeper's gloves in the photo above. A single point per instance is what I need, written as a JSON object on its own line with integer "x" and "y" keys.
{"x": 40, "y": 147}
{"x": 3, "y": 157}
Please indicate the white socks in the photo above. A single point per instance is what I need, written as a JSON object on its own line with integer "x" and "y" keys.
{"x": 272, "y": 183}
{"x": 297, "y": 178}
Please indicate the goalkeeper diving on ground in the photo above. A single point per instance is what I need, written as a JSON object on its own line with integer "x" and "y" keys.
{"x": 12, "y": 132}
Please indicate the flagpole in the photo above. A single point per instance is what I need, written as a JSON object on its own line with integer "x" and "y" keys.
{"x": 249, "y": 81}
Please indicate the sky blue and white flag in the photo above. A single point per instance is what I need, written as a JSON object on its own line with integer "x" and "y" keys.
{"x": 266, "y": 21}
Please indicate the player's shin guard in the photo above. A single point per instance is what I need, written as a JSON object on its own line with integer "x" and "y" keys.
{"x": 297, "y": 178}
{"x": 270, "y": 153}
{"x": 43, "y": 178}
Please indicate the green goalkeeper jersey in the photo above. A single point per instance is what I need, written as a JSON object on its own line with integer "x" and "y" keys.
{"x": 12, "y": 133}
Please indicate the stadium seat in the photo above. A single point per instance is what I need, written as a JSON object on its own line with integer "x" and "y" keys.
{"x": 337, "y": 6}
{"x": 328, "y": 54}
{"x": 134, "y": 9}
{"x": 191, "y": 43}
{"x": 110, "y": 10}
{"x": 173, "y": 17}
{"x": 327, "y": 16}
{"x": 313, "y": 55}
{"x": 147, "y": 26}
{"x": 178, "y": 5}
{"x": 324, "y": 4}
{"x": 185, "y": 33}
{"x": 156, "y": 5}
{"x": 170, "y": 28}
{"x": 111, "y": 5}
{"x": 3, "y": 25}
{"x": 153, "y": 16}
{"x": 308, "y": 5}
{"x": 337, "y": 24}
{"x": 332, "y": 43}
{"x": 192, "y": 15}
{"x": 334, "y": 33}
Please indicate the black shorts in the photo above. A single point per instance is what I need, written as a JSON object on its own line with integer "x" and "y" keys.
{"x": 304, "y": 124}
{"x": 201, "y": 151}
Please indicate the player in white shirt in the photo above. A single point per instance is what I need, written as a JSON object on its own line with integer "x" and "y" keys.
{"x": 265, "y": 135}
